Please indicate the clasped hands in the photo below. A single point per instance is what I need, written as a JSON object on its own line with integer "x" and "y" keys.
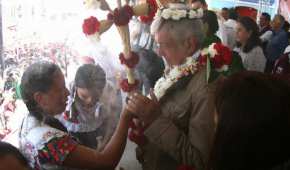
{"x": 144, "y": 108}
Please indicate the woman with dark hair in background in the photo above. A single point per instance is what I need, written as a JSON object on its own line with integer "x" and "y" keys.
{"x": 253, "y": 123}
{"x": 249, "y": 45}
{"x": 11, "y": 158}
{"x": 44, "y": 140}
{"x": 89, "y": 116}
{"x": 211, "y": 26}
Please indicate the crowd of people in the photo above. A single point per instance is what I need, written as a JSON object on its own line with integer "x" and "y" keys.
{"x": 180, "y": 119}
{"x": 261, "y": 45}
{"x": 16, "y": 60}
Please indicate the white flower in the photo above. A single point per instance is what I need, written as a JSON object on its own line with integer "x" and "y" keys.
{"x": 224, "y": 68}
{"x": 166, "y": 13}
{"x": 175, "y": 15}
{"x": 182, "y": 13}
{"x": 199, "y": 13}
{"x": 212, "y": 52}
{"x": 192, "y": 14}
{"x": 92, "y": 4}
{"x": 174, "y": 73}
{"x": 164, "y": 83}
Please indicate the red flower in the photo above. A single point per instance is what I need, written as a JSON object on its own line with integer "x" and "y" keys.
{"x": 152, "y": 11}
{"x": 126, "y": 87}
{"x": 121, "y": 16}
{"x": 136, "y": 134}
{"x": 223, "y": 56}
{"x": 91, "y": 25}
{"x": 202, "y": 60}
{"x": 185, "y": 167}
{"x": 224, "y": 52}
{"x": 218, "y": 61}
{"x": 130, "y": 63}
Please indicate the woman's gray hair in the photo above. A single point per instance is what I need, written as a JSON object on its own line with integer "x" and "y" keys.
{"x": 180, "y": 30}
{"x": 38, "y": 77}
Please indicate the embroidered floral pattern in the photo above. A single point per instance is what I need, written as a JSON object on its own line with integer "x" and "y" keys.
{"x": 43, "y": 145}
{"x": 56, "y": 150}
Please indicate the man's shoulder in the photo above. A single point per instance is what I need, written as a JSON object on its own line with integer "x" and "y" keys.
{"x": 198, "y": 80}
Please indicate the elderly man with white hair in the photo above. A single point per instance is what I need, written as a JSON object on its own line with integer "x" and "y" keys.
{"x": 178, "y": 116}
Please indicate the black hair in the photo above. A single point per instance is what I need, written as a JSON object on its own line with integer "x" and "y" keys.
{"x": 267, "y": 16}
{"x": 203, "y": 2}
{"x": 210, "y": 18}
{"x": 233, "y": 14}
{"x": 251, "y": 26}
{"x": 286, "y": 26}
{"x": 7, "y": 149}
{"x": 253, "y": 124}
{"x": 225, "y": 9}
{"x": 39, "y": 77}
{"x": 90, "y": 76}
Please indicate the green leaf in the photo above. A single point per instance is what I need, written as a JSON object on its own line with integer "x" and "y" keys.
{"x": 237, "y": 64}
{"x": 208, "y": 69}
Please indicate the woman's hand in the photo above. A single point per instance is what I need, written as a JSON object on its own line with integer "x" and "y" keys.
{"x": 147, "y": 110}
{"x": 127, "y": 115}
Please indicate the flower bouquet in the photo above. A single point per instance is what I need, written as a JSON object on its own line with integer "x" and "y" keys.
{"x": 220, "y": 60}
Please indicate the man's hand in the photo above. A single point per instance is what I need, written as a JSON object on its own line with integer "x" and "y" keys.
{"x": 147, "y": 110}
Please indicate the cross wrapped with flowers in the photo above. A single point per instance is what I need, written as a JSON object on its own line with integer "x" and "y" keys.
{"x": 120, "y": 17}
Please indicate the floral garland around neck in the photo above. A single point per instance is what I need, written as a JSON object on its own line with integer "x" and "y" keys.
{"x": 191, "y": 66}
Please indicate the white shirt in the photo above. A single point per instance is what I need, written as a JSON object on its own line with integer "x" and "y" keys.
{"x": 266, "y": 36}
{"x": 230, "y": 30}
{"x": 254, "y": 60}
{"x": 287, "y": 50}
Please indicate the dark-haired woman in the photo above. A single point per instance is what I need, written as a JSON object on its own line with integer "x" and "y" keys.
{"x": 89, "y": 116}
{"x": 211, "y": 23}
{"x": 253, "y": 123}
{"x": 249, "y": 45}
{"x": 44, "y": 140}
